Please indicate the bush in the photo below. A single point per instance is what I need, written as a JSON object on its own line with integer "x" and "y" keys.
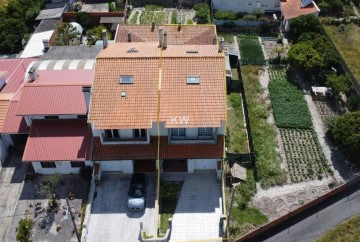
{"x": 24, "y": 230}
{"x": 351, "y": 103}
{"x": 95, "y": 33}
{"x": 339, "y": 84}
{"x": 303, "y": 24}
{"x": 83, "y": 19}
{"x": 249, "y": 18}
{"x": 225, "y": 15}
{"x": 202, "y": 13}
{"x": 174, "y": 17}
{"x": 153, "y": 7}
{"x": 190, "y": 21}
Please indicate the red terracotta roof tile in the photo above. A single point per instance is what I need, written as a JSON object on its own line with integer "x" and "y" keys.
{"x": 58, "y": 140}
{"x": 149, "y": 151}
{"x": 292, "y": 9}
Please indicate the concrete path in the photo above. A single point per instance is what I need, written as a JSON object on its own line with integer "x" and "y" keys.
{"x": 11, "y": 176}
{"x": 199, "y": 208}
{"x": 110, "y": 220}
{"x": 312, "y": 224}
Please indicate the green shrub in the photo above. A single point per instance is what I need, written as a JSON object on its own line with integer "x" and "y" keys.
{"x": 95, "y": 34}
{"x": 83, "y": 19}
{"x": 264, "y": 20}
{"x": 190, "y": 21}
{"x": 225, "y": 15}
{"x": 202, "y": 13}
{"x": 24, "y": 230}
{"x": 351, "y": 103}
{"x": 174, "y": 17}
{"x": 249, "y": 17}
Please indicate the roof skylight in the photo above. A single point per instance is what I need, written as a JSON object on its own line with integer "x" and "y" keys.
{"x": 126, "y": 80}
{"x": 193, "y": 80}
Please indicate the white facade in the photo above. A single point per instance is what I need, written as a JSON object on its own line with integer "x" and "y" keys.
{"x": 201, "y": 164}
{"x": 62, "y": 167}
{"x": 125, "y": 166}
{"x": 246, "y": 6}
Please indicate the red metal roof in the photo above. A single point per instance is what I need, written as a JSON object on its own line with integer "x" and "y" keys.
{"x": 52, "y": 100}
{"x": 58, "y": 140}
{"x": 15, "y": 73}
{"x": 148, "y": 151}
{"x": 65, "y": 76}
{"x": 14, "y": 124}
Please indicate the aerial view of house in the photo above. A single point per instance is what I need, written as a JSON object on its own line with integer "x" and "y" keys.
{"x": 187, "y": 120}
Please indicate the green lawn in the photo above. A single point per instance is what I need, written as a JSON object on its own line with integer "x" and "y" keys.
{"x": 250, "y": 50}
{"x": 236, "y": 132}
{"x": 288, "y": 103}
{"x": 347, "y": 42}
{"x": 349, "y": 231}
{"x": 267, "y": 160}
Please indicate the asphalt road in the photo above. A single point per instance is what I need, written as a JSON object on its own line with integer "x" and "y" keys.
{"x": 310, "y": 225}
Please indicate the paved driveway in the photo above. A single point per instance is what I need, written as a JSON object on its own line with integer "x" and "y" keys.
{"x": 11, "y": 177}
{"x": 110, "y": 219}
{"x": 199, "y": 208}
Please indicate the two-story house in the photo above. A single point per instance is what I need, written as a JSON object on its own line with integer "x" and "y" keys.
{"x": 158, "y": 100}
{"x": 246, "y": 6}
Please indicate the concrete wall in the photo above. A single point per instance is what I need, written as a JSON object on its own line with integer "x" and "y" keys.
{"x": 246, "y": 6}
{"x": 125, "y": 166}
{"x": 62, "y": 167}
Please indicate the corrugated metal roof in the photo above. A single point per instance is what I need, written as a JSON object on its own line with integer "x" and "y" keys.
{"x": 58, "y": 140}
{"x": 14, "y": 124}
{"x": 47, "y": 24}
{"x": 35, "y": 46}
{"x": 71, "y": 52}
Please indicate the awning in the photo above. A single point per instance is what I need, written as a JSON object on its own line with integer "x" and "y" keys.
{"x": 111, "y": 20}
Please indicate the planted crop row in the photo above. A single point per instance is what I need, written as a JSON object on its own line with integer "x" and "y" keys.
{"x": 289, "y": 106}
{"x": 147, "y": 17}
{"x": 250, "y": 50}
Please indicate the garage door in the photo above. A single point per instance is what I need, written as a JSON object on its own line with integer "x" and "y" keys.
{"x": 113, "y": 165}
{"x": 205, "y": 164}
{"x": 175, "y": 165}
{"x": 144, "y": 166}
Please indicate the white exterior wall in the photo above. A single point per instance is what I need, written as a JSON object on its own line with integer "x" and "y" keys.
{"x": 126, "y": 133}
{"x": 221, "y": 130}
{"x": 62, "y": 167}
{"x": 154, "y": 131}
{"x": 125, "y": 166}
{"x": 202, "y": 164}
{"x": 247, "y": 6}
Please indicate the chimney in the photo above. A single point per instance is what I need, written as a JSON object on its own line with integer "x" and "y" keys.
{"x": 164, "y": 46}
{"x": 129, "y": 37}
{"x": 221, "y": 44}
{"x": 32, "y": 74}
{"x": 179, "y": 27}
{"x": 46, "y": 44}
{"x": 104, "y": 38}
{"x": 214, "y": 39}
{"x": 87, "y": 93}
{"x": 160, "y": 35}
{"x": 152, "y": 26}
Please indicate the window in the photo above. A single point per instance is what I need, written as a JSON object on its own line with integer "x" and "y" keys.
{"x": 47, "y": 164}
{"x": 126, "y": 80}
{"x": 178, "y": 133}
{"x": 192, "y": 80}
{"x": 77, "y": 164}
{"x": 139, "y": 133}
{"x": 52, "y": 117}
{"x": 205, "y": 132}
{"x": 111, "y": 133}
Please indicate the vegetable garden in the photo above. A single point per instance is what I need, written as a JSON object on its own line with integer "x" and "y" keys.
{"x": 250, "y": 50}
{"x": 303, "y": 153}
{"x": 147, "y": 17}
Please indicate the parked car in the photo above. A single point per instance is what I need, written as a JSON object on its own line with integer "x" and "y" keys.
{"x": 137, "y": 192}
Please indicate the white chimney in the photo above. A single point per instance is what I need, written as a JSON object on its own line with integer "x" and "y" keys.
{"x": 46, "y": 44}
{"x": 160, "y": 35}
{"x": 221, "y": 44}
{"x": 87, "y": 93}
{"x": 32, "y": 74}
{"x": 164, "y": 46}
{"x": 104, "y": 38}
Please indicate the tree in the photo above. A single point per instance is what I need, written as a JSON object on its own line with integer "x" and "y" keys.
{"x": 11, "y": 33}
{"x": 95, "y": 34}
{"x": 24, "y": 230}
{"x": 346, "y": 133}
{"x": 339, "y": 83}
{"x": 66, "y": 32}
{"x": 83, "y": 19}
{"x": 303, "y": 55}
{"x": 302, "y": 24}
{"x": 202, "y": 13}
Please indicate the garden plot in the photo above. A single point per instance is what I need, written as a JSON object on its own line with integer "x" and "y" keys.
{"x": 270, "y": 46}
{"x": 304, "y": 156}
{"x": 159, "y": 17}
{"x": 327, "y": 108}
{"x": 250, "y": 50}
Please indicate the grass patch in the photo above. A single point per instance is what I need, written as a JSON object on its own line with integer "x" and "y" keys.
{"x": 174, "y": 17}
{"x": 133, "y": 19}
{"x": 347, "y": 41}
{"x": 269, "y": 171}
{"x": 250, "y": 50}
{"x": 147, "y": 17}
{"x": 348, "y": 231}
{"x": 289, "y": 106}
{"x": 169, "y": 193}
{"x": 228, "y": 37}
{"x": 242, "y": 214}
{"x": 236, "y": 133}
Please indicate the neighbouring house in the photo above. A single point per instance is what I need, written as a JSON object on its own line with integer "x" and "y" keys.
{"x": 159, "y": 93}
{"x": 291, "y": 9}
{"x": 13, "y": 129}
{"x": 248, "y": 6}
{"x": 54, "y": 104}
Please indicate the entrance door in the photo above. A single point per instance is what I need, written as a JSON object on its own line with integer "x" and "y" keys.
{"x": 144, "y": 166}
{"x": 175, "y": 166}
